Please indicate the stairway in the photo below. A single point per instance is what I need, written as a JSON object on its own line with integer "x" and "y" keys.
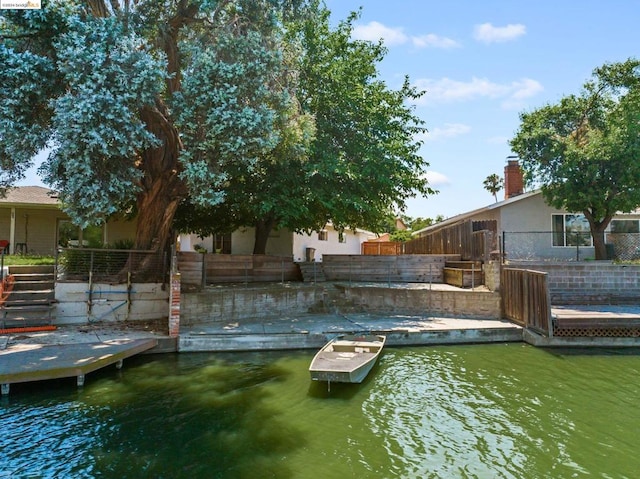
{"x": 31, "y": 301}
{"x": 463, "y": 274}
{"x": 312, "y": 272}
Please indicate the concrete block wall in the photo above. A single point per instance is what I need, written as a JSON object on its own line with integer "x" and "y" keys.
{"x": 238, "y": 304}
{"x": 492, "y": 275}
{"x": 233, "y": 304}
{"x": 459, "y": 304}
{"x": 109, "y": 302}
{"x": 597, "y": 282}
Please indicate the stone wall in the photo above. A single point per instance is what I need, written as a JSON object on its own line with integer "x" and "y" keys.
{"x": 237, "y": 304}
{"x": 595, "y": 282}
{"x": 491, "y": 271}
{"x": 436, "y": 302}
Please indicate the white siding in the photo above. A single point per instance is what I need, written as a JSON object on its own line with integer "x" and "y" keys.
{"x": 352, "y": 245}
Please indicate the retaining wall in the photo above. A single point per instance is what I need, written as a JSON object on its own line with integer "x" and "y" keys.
{"x": 458, "y": 303}
{"x": 109, "y": 302}
{"x": 595, "y": 282}
{"x": 237, "y": 304}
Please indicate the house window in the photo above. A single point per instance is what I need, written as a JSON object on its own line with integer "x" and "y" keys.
{"x": 323, "y": 235}
{"x": 625, "y": 226}
{"x": 570, "y": 230}
{"x": 341, "y": 237}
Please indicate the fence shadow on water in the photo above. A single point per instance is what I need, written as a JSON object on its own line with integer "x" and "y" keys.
{"x": 111, "y": 265}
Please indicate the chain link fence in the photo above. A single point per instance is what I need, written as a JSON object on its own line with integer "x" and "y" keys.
{"x": 561, "y": 246}
{"x": 112, "y": 265}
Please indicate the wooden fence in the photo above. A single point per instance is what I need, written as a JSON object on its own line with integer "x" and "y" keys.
{"x": 403, "y": 268}
{"x": 526, "y": 299}
{"x": 472, "y": 240}
{"x": 381, "y": 248}
{"x": 202, "y": 269}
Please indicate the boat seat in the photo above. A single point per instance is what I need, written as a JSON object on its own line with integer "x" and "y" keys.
{"x": 357, "y": 346}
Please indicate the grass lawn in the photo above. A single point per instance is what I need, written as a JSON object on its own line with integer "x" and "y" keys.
{"x": 14, "y": 260}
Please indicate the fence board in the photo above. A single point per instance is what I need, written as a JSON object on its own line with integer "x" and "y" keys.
{"x": 223, "y": 268}
{"x": 403, "y": 268}
{"x": 525, "y": 297}
{"x": 472, "y": 240}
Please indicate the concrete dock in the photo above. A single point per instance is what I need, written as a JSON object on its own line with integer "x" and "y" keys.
{"x": 37, "y": 362}
{"x": 75, "y": 350}
{"x": 313, "y": 331}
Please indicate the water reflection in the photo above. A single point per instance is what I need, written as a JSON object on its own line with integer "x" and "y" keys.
{"x": 508, "y": 411}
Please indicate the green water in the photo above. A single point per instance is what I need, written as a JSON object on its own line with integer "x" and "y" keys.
{"x": 491, "y": 411}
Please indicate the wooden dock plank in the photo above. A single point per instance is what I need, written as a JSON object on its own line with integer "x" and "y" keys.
{"x": 38, "y": 363}
{"x": 596, "y": 316}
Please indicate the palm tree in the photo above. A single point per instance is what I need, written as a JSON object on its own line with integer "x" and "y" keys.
{"x": 493, "y": 183}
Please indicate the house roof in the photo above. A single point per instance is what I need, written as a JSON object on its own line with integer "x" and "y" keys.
{"x": 30, "y": 195}
{"x": 472, "y": 213}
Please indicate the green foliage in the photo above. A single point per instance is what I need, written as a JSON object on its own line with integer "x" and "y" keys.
{"x": 346, "y": 149}
{"x": 584, "y": 150}
{"x": 419, "y": 223}
{"x": 28, "y": 260}
{"x": 400, "y": 235}
{"x": 122, "y": 244}
{"x": 142, "y": 106}
{"x": 493, "y": 184}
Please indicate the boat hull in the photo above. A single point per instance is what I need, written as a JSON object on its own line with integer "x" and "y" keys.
{"x": 347, "y": 359}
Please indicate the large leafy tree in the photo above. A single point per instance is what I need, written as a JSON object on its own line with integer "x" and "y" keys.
{"x": 352, "y": 156}
{"x": 143, "y": 103}
{"x": 584, "y": 151}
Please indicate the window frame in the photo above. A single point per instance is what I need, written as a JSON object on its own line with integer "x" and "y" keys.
{"x": 569, "y": 230}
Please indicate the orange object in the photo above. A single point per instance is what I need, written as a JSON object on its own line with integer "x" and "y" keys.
{"x": 28, "y": 329}
{"x": 6, "y": 286}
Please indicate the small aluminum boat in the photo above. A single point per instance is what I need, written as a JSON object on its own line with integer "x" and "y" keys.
{"x": 347, "y": 359}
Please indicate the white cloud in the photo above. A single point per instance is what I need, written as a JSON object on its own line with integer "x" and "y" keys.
{"x": 446, "y": 90}
{"x": 434, "y": 41}
{"x": 449, "y": 130}
{"x": 487, "y": 33}
{"x": 437, "y": 179}
{"x": 374, "y": 31}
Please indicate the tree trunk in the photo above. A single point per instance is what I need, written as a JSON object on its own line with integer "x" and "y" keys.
{"x": 599, "y": 245}
{"x": 263, "y": 229}
{"x": 597, "y": 233}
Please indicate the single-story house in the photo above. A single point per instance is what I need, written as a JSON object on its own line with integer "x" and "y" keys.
{"x": 531, "y": 229}
{"x": 300, "y": 246}
{"x": 33, "y": 223}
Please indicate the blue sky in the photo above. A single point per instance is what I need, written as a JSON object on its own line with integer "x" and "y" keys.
{"x": 482, "y": 63}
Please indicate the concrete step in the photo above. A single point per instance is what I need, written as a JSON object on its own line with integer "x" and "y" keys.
{"x": 27, "y": 314}
{"x": 31, "y": 269}
{"x": 33, "y": 286}
{"x": 470, "y": 265}
{"x": 312, "y": 272}
{"x": 31, "y": 295}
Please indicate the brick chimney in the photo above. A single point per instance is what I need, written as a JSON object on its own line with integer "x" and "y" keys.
{"x": 513, "y": 180}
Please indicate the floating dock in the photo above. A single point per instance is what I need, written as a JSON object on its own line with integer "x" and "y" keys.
{"x": 36, "y": 362}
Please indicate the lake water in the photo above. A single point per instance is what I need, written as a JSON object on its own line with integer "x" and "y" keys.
{"x": 480, "y": 411}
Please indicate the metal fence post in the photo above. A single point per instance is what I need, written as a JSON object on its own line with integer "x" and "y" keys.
{"x": 503, "y": 248}
{"x": 473, "y": 275}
